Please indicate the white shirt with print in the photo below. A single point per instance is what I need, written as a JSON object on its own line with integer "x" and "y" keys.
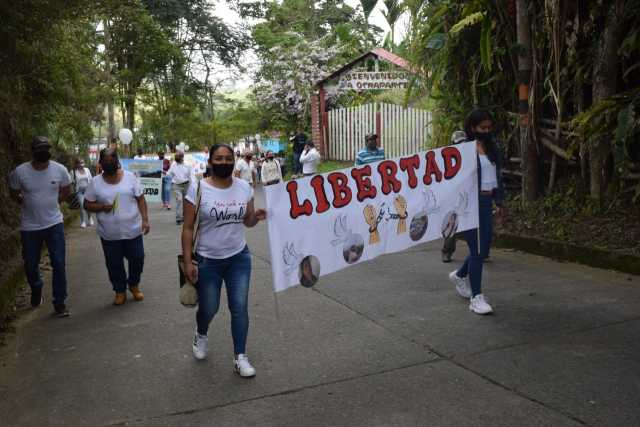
{"x": 124, "y": 222}
{"x": 222, "y": 211}
{"x": 40, "y": 191}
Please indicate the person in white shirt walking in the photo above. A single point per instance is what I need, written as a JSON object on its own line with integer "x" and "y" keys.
{"x": 181, "y": 175}
{"x": 246, "y": 169}
{"x": 310, "y": 159}
{"x": 39, "y": 186}
{"x": 271, "y": 171}
{"x": 116, "y": 197}
{"x": 225, "y": 208}
{"x": 80, "y": 178}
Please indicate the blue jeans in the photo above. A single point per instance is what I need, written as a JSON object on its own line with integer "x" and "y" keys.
{"x": 115, "y": 252}
{"x": 84, "y": 215}
{"x": 166, "y": 190}
{"x": 31, "y": 250}
{"x": 473, "y": 263}
{"x": 235, "y": 271}
{"x": 297, "y": 166}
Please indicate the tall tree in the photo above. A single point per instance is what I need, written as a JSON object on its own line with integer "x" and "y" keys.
{"x": 395, "y": 8}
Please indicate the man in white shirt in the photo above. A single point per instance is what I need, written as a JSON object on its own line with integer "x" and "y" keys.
{"x": 271, "y": 172}
{"x": 39, "y": 186}
{"x": 246, "y": 169}
{"x": 310, "y": 159}
{"x": 139, "y": 155}
{"x": 181, "y": 175}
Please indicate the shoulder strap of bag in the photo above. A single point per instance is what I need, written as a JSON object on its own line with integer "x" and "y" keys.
{"x": 196, "y": 221}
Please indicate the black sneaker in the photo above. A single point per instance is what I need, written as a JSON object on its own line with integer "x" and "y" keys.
{"x": 61, "y": 310}
{"x": 36, "y": 297}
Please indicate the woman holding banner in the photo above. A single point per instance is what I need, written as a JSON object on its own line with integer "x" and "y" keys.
{"x": 225, "y": 206}
{"x": 468, "y": 278}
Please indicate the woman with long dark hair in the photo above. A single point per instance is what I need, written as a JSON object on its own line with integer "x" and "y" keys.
{"x": 468, "y": 278}
{"x": 225, "y": 208}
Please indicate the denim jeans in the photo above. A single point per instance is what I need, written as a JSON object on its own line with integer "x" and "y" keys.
{"x": 235, "y": 271}
{"x": 473, "y": 263}
{"x": 166, "y": 190}
{"x": 180, "y": 191}
{"x": 297, "y": 166}
{"x": 115, "y": 252}
{"x": 31, "y": 250}
{"x": 84, "y": 215}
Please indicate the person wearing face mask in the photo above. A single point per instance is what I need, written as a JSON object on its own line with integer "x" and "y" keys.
{"x": 468, "y": 278}
{"x": 371, "y": 153}
{"x": 81, "y": 177}
{"x": 225, "y": 208}
{"x": 181, "y": 175}
{"x": 121, "y": 211}
{"x": 39, "y": 186}
{"x": 310, "y": 159}
{"x": 271, "y": 171}
{"x": 246, "y": 169}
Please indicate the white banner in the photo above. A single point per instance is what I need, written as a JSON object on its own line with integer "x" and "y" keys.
{"x": 322, "y": 224}
{"x": 149, "y": 172}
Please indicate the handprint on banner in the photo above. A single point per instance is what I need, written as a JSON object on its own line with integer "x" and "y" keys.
{"x": 420, "y": 221}
{"x": 352, "y": 244}
{"x": 450, "y": 221}
{"x": 291, "y": 258}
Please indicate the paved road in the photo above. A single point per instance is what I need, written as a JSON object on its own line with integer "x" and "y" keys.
{"x": 385, "y": 343}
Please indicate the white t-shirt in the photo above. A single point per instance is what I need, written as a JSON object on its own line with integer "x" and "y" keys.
{"x": 489, "y": 174}
{"x": 270, "y": 171}
{"x": 40, "y": 191}
{"x": 125, "y": 221}
{"x": 222, "y": 211}
{"x": 246, "y": 170}
{"x": 81, "y": 179}
{"x": 181, "y": 173}
{"x": 310, "y": 161}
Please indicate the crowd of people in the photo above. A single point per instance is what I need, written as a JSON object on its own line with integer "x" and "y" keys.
{"x": 220, "y": 205}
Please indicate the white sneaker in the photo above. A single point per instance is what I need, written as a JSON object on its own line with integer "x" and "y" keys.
{"x": 90, "y": 222}
{"x": 479, "y": 305}
{"x": 462, "y": 284}
{"x": 83, "y": 225}
{"x": 199, "y": 346}
{"x": 243, "y": 367}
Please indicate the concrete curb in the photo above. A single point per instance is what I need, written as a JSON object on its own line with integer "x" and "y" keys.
{"x": 562, "y": 251}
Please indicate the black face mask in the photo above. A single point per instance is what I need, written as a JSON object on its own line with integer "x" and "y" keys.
{"x": 484, "y": 136}
{"x": 109, "y": 168}
{"x": 222, "y": 170}
{"x": 372, "y": 145}
{"x": 41, "y": 156}
{"x": 269, "y": 159}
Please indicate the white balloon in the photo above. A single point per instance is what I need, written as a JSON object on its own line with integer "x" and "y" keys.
{"x": 126, "y": 136}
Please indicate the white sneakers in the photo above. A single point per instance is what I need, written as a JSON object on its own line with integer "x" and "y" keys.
{"x": 241, "y": 363}
{"x": 90, "y": 222}
{"x": 243, "y": 367}
{"x": 199, "y": 346}
{"x": 477, "y": 304}
{"x": 83, "y": 225}
{"x": 462, "y": 284}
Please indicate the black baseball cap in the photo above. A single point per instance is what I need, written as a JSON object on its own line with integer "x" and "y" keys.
{"x": 40, "y": 143}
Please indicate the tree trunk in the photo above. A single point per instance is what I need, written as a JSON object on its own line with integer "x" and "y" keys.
{"x": 604, "y": 86}
{"x": 529, "y": 152}
{"x": 107, "y": 65}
